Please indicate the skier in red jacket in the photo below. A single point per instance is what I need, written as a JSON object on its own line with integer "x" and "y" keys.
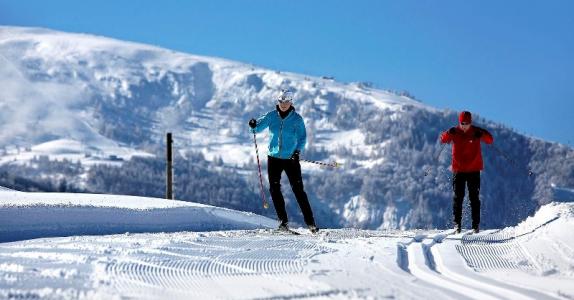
{"x": 466, "y": 165}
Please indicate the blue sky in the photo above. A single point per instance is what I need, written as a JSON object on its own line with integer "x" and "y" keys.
{"x": 509, "y": 61}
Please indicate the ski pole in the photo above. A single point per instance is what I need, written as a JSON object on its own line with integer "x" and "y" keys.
{"x": 501, "y": 153}
{"x": 332, "y": 165}
{"x": 427, "y": 171}
{"x": 265, "y": 204}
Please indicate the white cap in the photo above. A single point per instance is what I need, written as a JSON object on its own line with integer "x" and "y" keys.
{"x": 285, "y": 95}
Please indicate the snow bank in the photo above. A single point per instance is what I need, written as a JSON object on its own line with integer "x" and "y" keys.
{"x": 34, "y": 215}
{"x": 554, "y": 214}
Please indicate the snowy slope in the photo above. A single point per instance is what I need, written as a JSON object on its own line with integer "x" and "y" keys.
{"x": 103, "y": 101}
{"x": 92, "y": 90}
{"x": 533, "y": 260}
{"x": 31, "y": 215}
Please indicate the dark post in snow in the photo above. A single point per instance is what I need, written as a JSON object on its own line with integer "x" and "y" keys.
{"x": 169, "y": 181}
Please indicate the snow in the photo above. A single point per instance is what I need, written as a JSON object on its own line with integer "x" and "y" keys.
{"x": 96, "y": 100}
{"x": 86, "y": 247}
{"x": 74, "y": 151}
{"x": 31, "y": 215}
{"x": 60, "y": 81}
{"x": 61, "y": 246}
{"x": 359, "y": 211}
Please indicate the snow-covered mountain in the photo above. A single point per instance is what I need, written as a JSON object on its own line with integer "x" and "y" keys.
{"x": 102, "y": 101}
{"x": 101, "y": 92}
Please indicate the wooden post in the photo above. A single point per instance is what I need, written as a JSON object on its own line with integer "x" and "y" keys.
{"x": 169, "y": 170}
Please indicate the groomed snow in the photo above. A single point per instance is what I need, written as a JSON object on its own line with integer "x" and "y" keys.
{"x": 32, "y": 215}
{"x": 206, "y": 252}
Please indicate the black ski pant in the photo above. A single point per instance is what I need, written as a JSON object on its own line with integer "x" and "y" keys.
{"x": 276, "y": 166}
{"x": 460, "y": 181}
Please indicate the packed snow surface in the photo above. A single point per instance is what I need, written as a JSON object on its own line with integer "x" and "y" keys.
{"x": 204, "y": 252}
{"x": 31, "y": 215}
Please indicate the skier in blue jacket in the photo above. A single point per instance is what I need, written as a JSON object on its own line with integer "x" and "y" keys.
{"x": 287, "y": 140}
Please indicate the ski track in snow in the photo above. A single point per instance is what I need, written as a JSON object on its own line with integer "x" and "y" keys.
{"x": 421, "y": 264}
{"x": 487, "y": 247}
{"x": 428, "y": 259}
{"x": 260, "y": 264}
{"x": 533, "y": 260}
{"x": 503, "y": 252}
{"x": 194, "y": 267}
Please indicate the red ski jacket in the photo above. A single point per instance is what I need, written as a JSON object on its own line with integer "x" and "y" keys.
{"x": 466, "y": 152}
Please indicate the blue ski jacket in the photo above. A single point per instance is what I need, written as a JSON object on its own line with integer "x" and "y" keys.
{"x": 286, "y": 135}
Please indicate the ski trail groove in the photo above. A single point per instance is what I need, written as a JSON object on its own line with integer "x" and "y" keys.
{"x": 402, "y": 257}
{"x": 422, "y": 264}
{"x": 188, "y": 266}
{"x": 494, "y": 251}
{"x": 458, "y": 271}
{"x": 402, "y": 252}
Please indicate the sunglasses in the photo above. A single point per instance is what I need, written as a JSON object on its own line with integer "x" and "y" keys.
{"x": 284, "y": 101}
{"x": 464, "y": 123}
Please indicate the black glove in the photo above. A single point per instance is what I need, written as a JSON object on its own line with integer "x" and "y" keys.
{"x": 452, "y": 130}
{"x": 252, "y": 123}
{"x": 477, "y": 132}
{"x": 295, "y": 155}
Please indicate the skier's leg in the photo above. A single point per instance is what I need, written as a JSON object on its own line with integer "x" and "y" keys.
{"x": 274, "y": 170}
{"x": 458, "y": 180}
{"x": 293, "y": 170}
{"x": 473, "y": 196}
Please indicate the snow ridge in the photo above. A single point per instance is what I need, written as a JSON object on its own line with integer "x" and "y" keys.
{"x": 54, "y": 214}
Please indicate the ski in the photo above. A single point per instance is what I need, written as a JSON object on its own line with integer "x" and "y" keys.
{"x": 281, "y": 231}
{"x": 287, "y": 231}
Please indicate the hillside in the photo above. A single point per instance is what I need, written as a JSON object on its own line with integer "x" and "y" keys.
{"x": 86, "y": 113}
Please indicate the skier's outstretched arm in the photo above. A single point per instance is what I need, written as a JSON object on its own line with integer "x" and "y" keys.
{"x": 483, "y": 135}
{"x": 260, "y": 124}
{"x": 487, "y": 137}
{"x": 446, "y": 136}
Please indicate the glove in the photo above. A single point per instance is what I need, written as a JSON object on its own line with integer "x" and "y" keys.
{"x": 295, "y": 155}
{"x": 452, "y": 130}
{"x": 477, "y": 132}
{"x": 252, "y": 123}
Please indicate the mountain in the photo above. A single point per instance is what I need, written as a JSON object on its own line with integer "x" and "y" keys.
{"x": 87, "y": 113}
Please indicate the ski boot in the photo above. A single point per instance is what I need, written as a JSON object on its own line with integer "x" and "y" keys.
{"x": 283, "y": 226}
{"x": 313, "y": 229}
{"x": 457, "y": 228}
